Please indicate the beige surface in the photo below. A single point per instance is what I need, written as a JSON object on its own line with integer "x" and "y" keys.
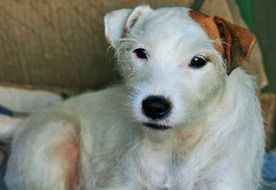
{"x": 60, "y": 44}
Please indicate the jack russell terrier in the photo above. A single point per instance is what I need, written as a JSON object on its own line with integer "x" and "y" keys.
{"x": 185, "y": 118}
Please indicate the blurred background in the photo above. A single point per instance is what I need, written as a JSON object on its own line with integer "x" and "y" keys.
{"x": 261, "y": 17}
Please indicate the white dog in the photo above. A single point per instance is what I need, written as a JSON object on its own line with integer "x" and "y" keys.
{"x": 184, "y": 119}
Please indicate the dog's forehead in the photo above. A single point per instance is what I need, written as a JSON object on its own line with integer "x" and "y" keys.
{"x": 176, "y": 24}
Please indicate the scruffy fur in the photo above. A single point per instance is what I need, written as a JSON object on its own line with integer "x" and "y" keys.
{"x": 97, "y": 141}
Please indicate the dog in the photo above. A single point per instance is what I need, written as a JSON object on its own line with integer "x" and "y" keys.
{"x": 186, "y": 116}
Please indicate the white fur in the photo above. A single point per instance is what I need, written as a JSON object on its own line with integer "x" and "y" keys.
{"x": 216, "y": 141}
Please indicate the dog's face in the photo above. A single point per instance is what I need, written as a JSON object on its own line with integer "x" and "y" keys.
{"x": 175, "y": 61}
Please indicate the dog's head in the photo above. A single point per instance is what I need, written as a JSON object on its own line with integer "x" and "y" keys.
{"x": 174, "y": 60}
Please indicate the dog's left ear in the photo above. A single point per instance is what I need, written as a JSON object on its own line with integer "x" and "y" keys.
{"x": 237, "y": 42}
{"x": 119, "y": 22}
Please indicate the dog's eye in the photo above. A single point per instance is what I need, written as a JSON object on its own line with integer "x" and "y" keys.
{"x": 198, "y": 62}
{"x": 140, "y": 53}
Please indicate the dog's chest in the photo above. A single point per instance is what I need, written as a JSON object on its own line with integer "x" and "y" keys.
{"x": 162, "y": 169}
{"x": 154, "y": 170}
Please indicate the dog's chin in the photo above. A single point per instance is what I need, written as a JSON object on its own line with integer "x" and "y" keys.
{"x": 155, "y": 126}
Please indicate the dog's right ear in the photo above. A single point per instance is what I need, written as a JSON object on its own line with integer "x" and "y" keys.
{"x": 121, "y": 21}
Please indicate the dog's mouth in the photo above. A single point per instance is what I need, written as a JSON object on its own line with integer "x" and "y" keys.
{"x": 156, "y": 126}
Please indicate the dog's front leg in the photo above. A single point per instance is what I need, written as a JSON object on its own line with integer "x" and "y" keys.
{"x": 45, "y": 155}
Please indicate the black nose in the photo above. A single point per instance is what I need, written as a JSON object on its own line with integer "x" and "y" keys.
{"x": 156, "y": 107}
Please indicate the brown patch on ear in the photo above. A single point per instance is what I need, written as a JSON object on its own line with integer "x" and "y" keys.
{"x": 238, "y": 42}
{"x": 208, "y": 25}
